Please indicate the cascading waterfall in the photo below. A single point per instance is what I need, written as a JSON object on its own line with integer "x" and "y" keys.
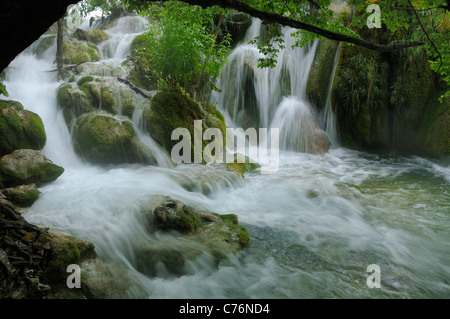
{"x": 315, "y": 225}
{"x": 276, "y": 96}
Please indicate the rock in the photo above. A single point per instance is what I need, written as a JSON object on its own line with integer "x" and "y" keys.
{"x": 19, "y": 128}
{"x": 96, "y": 93}
{"x": 139, "y": 74}
{"x": 27, "y": 166}
{"x": 100, "y": 138}
{"x": 66, "y": 250}
{"x": 23, "y": 195}
{"x": 23, "y": 251}
{"x": 170, "y": 110}
{"x": 75, "y": 52}
{"x": 175, "y": 215}
{"x": 241, "y": 168}
{"x": 94, "y": 36}
{"x": 201, "y": 234}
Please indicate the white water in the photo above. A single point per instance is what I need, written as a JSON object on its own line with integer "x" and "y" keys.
{"x": 313, "y": 233}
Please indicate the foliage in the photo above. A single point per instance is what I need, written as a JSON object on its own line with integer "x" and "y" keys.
{"x": 181, "y": 47}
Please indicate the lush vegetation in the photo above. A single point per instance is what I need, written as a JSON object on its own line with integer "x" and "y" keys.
{"x": 189, "y": 31}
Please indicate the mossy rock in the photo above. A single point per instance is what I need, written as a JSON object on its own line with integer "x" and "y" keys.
{"x": 214, "y": 234}
{"x": 66, "y": 250}
{"x": 360, "y": 98}
{"x": 241, "y": 168}
{"x": 23, "y": 195}
{"x": 174, "y": 215}
{"x": 74, "y": 101}
{"x": 75, "y": 52}
{"x": 94, "y": 36}
{"x": 102, "y": 139}
{"x": 321, "y": 70}
{"x": 27, "y": 166}
{"x": 170, "y": 110}
{"x": 140, "y": 75}
{"x": 19, "y": 128}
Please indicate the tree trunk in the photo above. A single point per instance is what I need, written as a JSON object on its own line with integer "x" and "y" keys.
{"x": 59, "y": 49}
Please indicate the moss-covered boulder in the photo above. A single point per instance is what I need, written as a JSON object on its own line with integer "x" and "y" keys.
{"x": 94, "y": 36}
{"x": 23, "y": 195}
{"x": 100, "y": 138}
{"x": 321, "y": 70}
{"x": 90, "y": 93}
{"x": 170, "y": 110}
{"x": 75, "y": 52}
{"x": 201, "y": 233}
{"x": 74, "y": 101}
{"x": 140, "y": 75}
{"x": 27, "y": 166}
{"x": 66, "y": 250}
{"x": 175, "y": 215}
{"x": 19, "y": 128}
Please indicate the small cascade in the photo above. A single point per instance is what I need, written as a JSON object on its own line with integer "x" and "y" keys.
{"x": 299, "y": 127}
{"x": 276, "y": 98}
{"x": 121, "y": 35}
{"x": 328, "y": 120}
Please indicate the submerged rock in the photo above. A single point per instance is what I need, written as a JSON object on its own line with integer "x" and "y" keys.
{"x": 27, "y": 166}
{"x": 19, "y": 128}
{"x": 100, "y": 138}
{"x": 201, "y": 233}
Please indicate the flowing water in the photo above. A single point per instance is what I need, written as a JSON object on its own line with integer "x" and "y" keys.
{"x": 315, "y": 225}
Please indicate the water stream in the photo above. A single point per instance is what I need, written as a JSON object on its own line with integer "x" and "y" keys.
{"x": 315, "y": 225}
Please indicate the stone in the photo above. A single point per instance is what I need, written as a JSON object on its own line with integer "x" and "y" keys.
{"x": 27, "y": 166}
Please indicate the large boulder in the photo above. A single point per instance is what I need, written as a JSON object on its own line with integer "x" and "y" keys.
{"x": 199, "y": 232}
{"x": 102, "y": 139}
{"x": 94, "y": 36}
{"x": 75, "y": 52}
{"x": 19, "y": 128}
{"x": 170, "y": 110}
{"x": 26, "y": 166}
{"x": 90, "y": 93}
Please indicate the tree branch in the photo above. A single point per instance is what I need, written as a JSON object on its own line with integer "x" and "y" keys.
{"x": 270, "y": 17}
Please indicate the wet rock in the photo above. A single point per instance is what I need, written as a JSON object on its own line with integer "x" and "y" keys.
{"x": 23, "y": 195}
{"x": 100, "y": 138}
{"x": 19, "y": 128}
{"x": 27, "y": 166}
{"x": 94, "y": 36}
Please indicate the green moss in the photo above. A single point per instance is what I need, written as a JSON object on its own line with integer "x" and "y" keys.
{"x": 320, "y": 73}
{"x": 19, "y": 128}
{"x": 103, "y": 139}
{"x": 66, "y": 250}
{"x": 75, "y": 52}
{"x": 84, "y": 79}
{"x": 63, "y": 96}
{"x": 23, "y": 196}
{"x": 184, "y": 221}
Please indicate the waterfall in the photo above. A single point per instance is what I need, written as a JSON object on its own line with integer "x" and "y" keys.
{"x": 30, "y": 82}
{"x": 275, "y": 98}
{"x": 319, "y": 221}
